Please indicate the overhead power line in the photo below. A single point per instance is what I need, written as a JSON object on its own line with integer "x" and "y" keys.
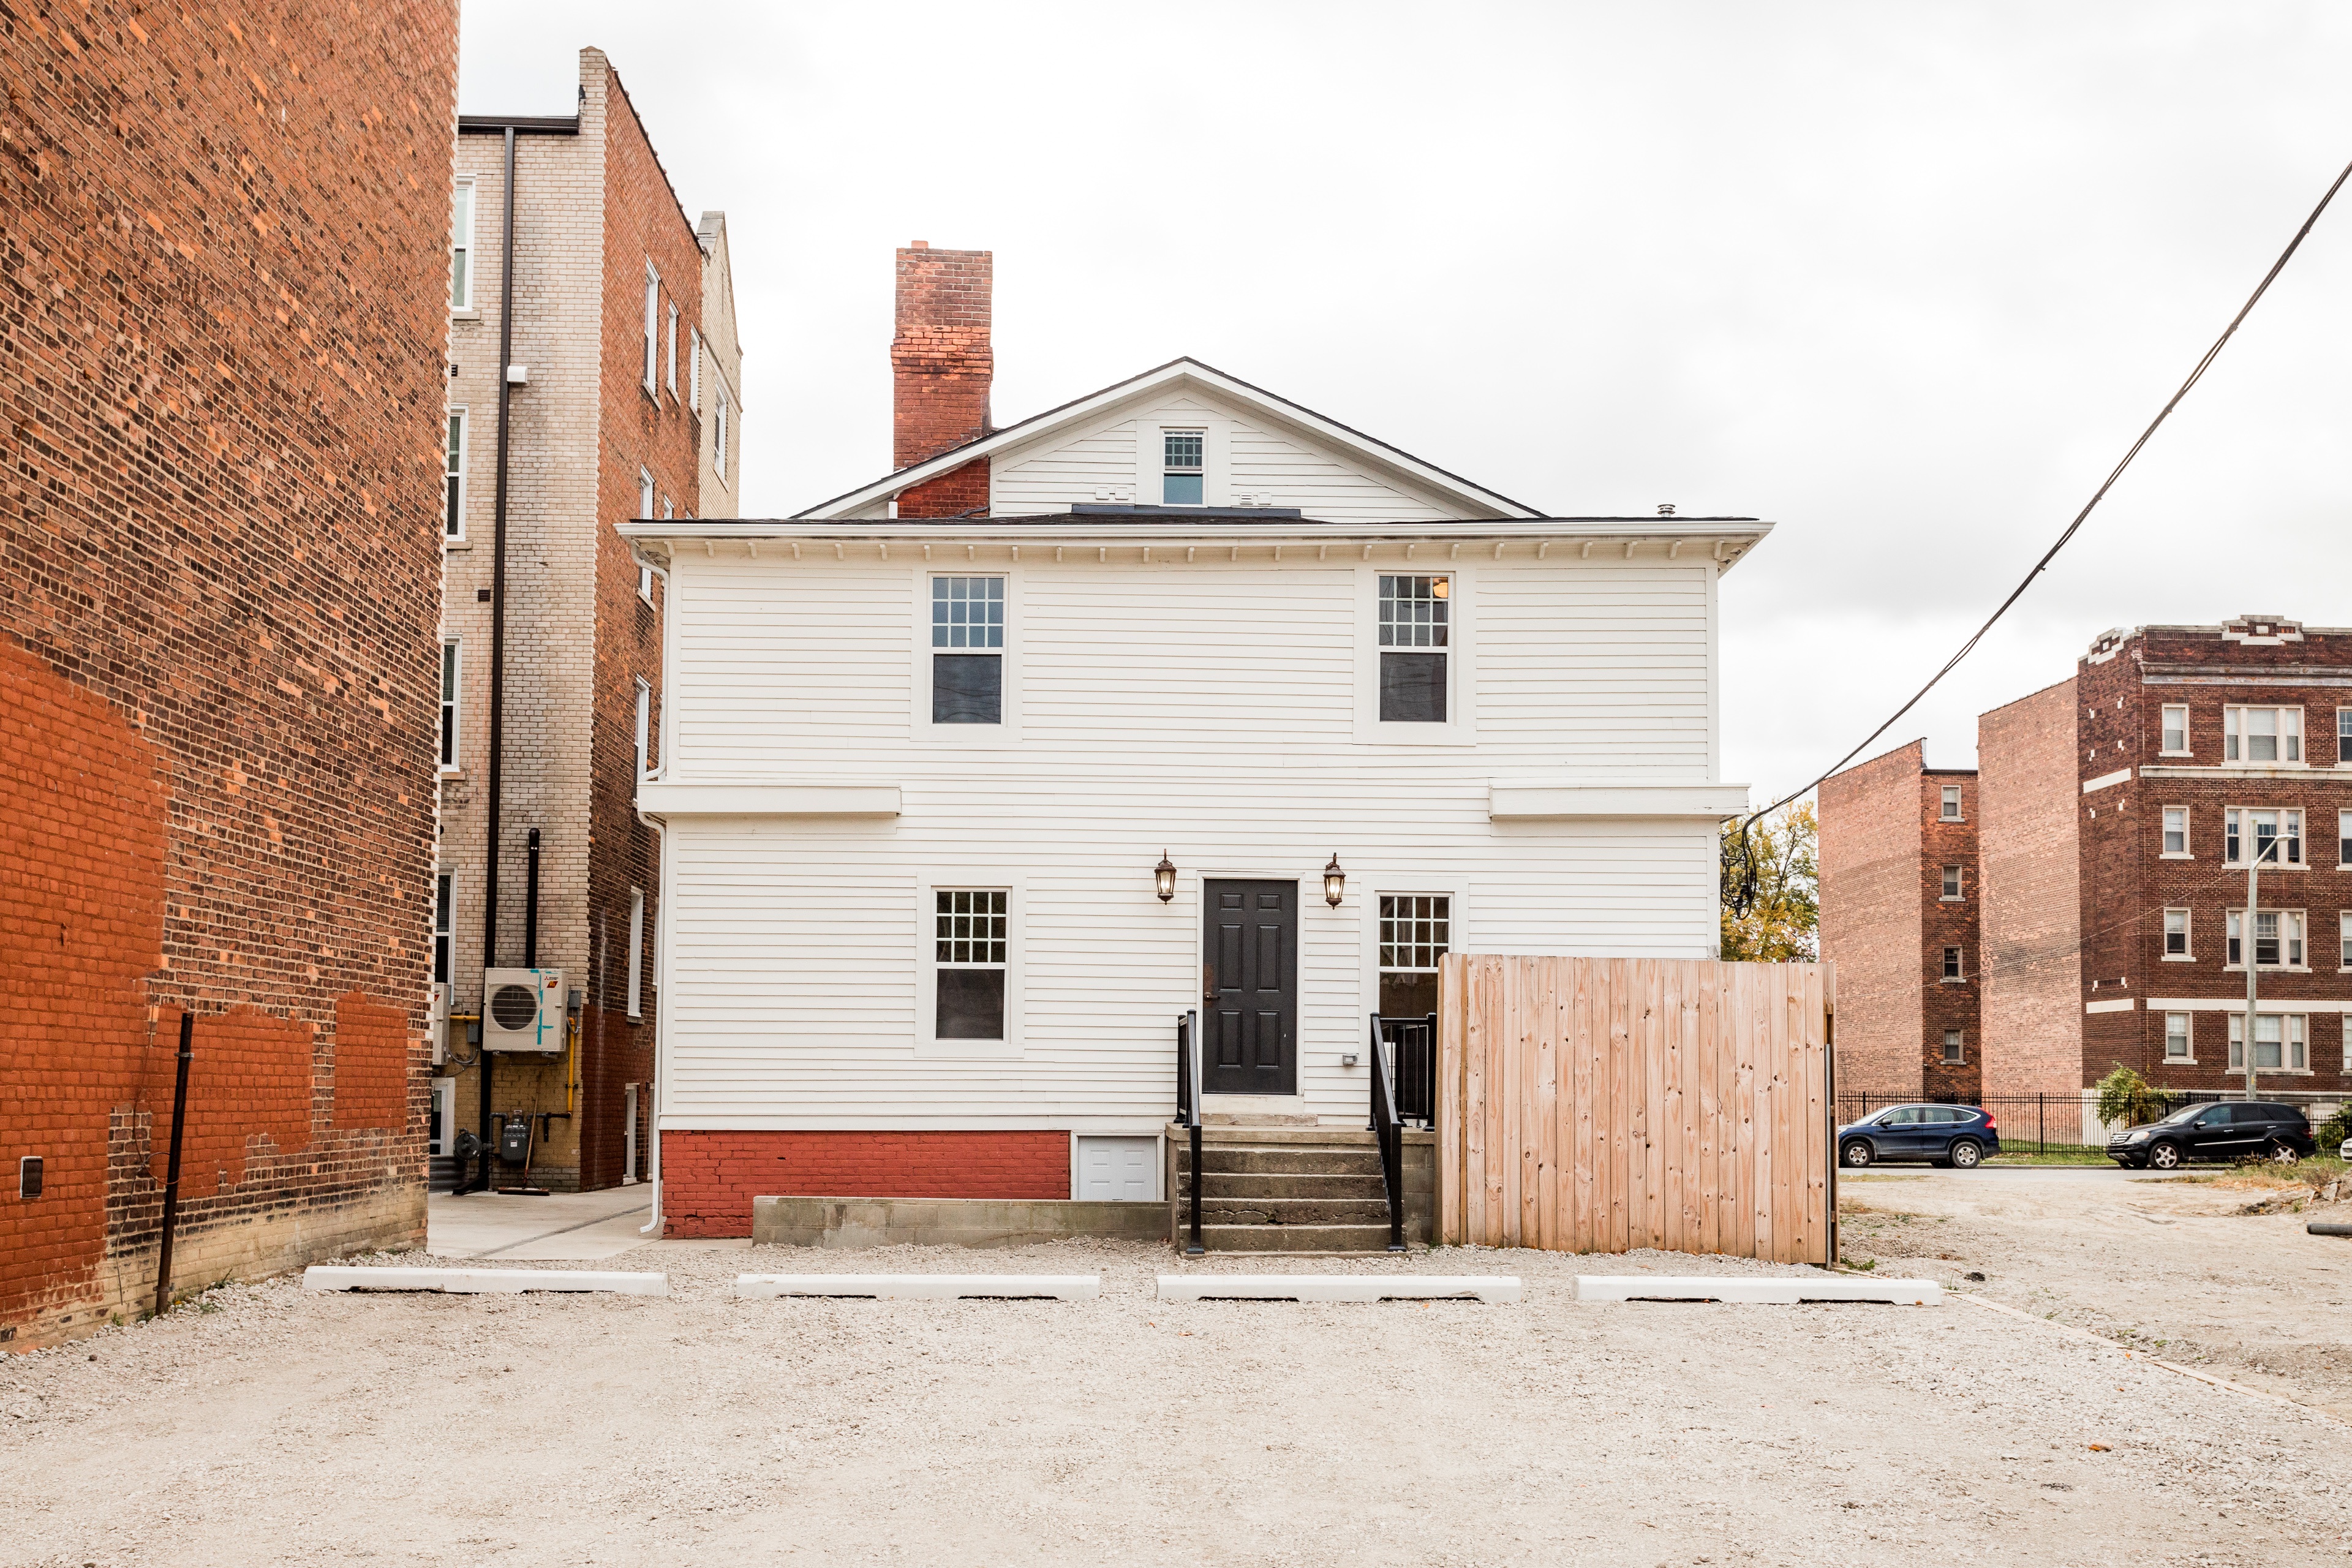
{"x": 1745, "y": 888}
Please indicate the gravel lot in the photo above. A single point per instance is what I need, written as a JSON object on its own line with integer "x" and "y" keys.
{"x": 266, "y": 1424}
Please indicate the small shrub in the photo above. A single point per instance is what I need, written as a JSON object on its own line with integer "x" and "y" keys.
{"x": 2332, "y": 1133}
{"x": 2125, "y": 1098}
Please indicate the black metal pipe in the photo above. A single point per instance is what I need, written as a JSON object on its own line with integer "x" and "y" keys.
{"x": 171, "y": 1167}
{"x": 498, "y": 643}
{"x": 530, "y": 906}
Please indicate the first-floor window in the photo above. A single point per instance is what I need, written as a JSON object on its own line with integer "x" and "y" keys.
{"x": 2347, "y": 1042}
{"x": 1952, "y": 963}
{"x": 1416, "y": 931}
{"x": 637, "y": 952}
{"x": 1955, "y": 1052}
{"x": 449, "y": 689}
{"x": 969, "y": 950}
{"x": 2175, "y": 933}
{"x": 2177, "y": 1039}
{"x": 2279, "y": 1045}
{"x": 443, "y": 899}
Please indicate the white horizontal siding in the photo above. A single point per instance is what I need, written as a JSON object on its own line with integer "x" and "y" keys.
{"x": 1058, "y": 475}
{"x": 1205, "y": 710}
{"x": 1289, "y": 472}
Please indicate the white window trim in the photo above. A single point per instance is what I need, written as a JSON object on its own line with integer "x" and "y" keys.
{"x": 454, "y": 705}
{"x": 2233, "y": 727}
{"x": 653, "y": 327}
{"x": 1960, "y": 881}
{"x": 2189, "y": 1033}
{"x": 465, "y": 310}
{"x": 644, "y": 728}
{"x": 1962, "y": 977}
{"x": 928, "y": 884}
{"x": 718, "y": 435}
{"x": 2188, "y": 851}
{"x": 1216, "y": 454}
{"x": 2189, "y": 933}
{"x": 694, "y": 369}
{"x": 2344, "y": 946}
{"x": 1006, "y": 731}
{"x": 2246, "y": 837}
{"x": 1960, "y": 803}
{"x": 464, "y": 416}
{"x": 2290, "y": 1023}
{"x": 636, "y": 992}
{"x": 2187, "y": 748}
{"x": 1944, "y": 1058}
{"x": 1388, "y": 885}
{"x": 645, "y": 583}
{"x": 2343, "y": 737}
{"x": 2342, "y": 837}
{"x": 1460, "y": 726}
{"x": 645, "y": 495}
{"x": 669, "y": 350}
{"x": 2237, "y": 912}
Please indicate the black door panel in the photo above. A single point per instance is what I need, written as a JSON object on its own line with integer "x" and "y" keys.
{"x": 1252, "y": 1008}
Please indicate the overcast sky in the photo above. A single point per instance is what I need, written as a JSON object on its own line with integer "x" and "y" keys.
{"x": 1905, "y": 280}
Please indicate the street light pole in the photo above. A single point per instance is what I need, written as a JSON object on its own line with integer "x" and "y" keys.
{"x": 2246, "y": 940}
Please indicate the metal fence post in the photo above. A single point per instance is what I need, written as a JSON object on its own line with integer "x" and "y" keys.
{"x": 172, "y": 1170}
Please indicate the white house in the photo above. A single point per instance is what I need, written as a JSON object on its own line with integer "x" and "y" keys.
{"x": 918, "y": 775}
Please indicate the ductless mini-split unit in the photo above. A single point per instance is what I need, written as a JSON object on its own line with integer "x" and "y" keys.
{"x": 522, "y": 1010}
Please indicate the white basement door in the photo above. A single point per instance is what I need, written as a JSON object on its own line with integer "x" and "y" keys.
{"x": 1119, "y": 1170}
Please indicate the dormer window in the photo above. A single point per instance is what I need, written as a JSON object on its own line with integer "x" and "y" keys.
{"x": 1182, "y": 469}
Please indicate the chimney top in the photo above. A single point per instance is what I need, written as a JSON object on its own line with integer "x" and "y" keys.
{"x": 942, "y": 361}
{"x": 918, "y": 245}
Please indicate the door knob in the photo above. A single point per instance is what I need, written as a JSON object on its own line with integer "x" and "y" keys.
{"x": 1207, "y": 983}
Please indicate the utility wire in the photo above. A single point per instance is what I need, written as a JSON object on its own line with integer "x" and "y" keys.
{"x": 1745, "y": 889}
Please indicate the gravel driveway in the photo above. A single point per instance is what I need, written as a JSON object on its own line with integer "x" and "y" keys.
{"x": 272, "y": 1426}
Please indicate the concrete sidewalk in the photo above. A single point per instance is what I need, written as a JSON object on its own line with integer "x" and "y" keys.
{"x": 569, "y": 1228}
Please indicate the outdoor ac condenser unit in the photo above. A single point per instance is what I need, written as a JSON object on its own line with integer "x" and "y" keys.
{"x": 522, "y": 1010}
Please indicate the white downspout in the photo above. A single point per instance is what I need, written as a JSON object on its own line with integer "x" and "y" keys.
{"x": 661, "y": 894}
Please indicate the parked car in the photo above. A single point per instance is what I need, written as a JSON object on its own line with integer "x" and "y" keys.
{"x": 2214, "y": 1133}
{"x": 1957, "y": 1135}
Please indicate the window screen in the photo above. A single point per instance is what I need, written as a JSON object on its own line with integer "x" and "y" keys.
{"x": 1415, "y": 618}
{"x": 970, "y": 947}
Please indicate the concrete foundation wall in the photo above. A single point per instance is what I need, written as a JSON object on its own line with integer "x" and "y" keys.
{"x": 848, "y": 1224}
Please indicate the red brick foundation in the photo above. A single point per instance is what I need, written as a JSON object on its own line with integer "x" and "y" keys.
{"x": 709, "y": 1179}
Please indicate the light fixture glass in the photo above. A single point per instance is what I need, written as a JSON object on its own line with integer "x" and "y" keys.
{"x": 1164, "y": 876}
{"x": 1441, "y": 589}
{"x": 1335, "y": 882}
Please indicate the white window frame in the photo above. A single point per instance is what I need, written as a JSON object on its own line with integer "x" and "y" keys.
{"x": 2187, "y": 953}
{"x": 929, "y": 884}
{"x": 2165, "y": 732}
{"x": 2164, "y": 830}
{"x": 1954, "y": 886}
{"x": 2188, "y": 1027}
{"x": 1956, "y": 1049}
{"x": 1384, "y": 884}
{"x": 1951, "y": 805}
{"x": 653, "y": 327}
{"x": 2295, "y": 1042}
{"x": 2293, "y": 939}
{"x": 1167, "y": 469}
{"x": 451, "y": 738}
{"x": 2236, "y": 845}
{"x": 454, "y": 463}
{"x": 2343, "y": 737}
{"x": 2344, "y": 840}
{"x": 644, "y": 728}
{"x": 1006, "y": 730}
{"x": 669, "y": 350}
{"x": 2343, "y": 947}
{"x": 1461, "y": 725}
{"x": 2237, "y": 741}
{"x": 694, "y": 369}
{"x": 462, "y": 245}
{"x": 718, "y": 435}
{"x": 636, "y": 993}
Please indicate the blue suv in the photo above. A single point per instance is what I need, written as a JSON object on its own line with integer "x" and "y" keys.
{"x": 1956, "y": 1135}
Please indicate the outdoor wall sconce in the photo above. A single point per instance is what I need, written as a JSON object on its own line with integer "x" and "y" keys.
{"x": 1164, "y": 876}
{"x": 1335, "y": 882}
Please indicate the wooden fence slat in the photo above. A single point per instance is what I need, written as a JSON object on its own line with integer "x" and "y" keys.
{"x": 1653, "y": 1101}
{"x": 1580, "y": 1113}
{"x": 1545, "y": 1108}
{"x": 1450, "y": 1100}
{"x": 1813, "y": 1211}
{"x": 1707, "y": 1236}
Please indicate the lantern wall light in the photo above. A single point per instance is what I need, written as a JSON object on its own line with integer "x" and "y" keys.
{"x": 1335, "y": 882}
{"x": 1164, "y": 877}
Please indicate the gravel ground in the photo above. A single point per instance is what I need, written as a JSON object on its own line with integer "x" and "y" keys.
{"x": 266, "y": 1424}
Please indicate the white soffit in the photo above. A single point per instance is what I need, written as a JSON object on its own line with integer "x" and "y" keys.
{"x": 656, "y": 799}
{"x": 1507, "y": 803}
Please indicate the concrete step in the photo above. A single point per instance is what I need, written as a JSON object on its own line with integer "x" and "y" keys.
{"x": 1294, "y": 1237}
{"x": 1293, "y": 1211}
{"x": 1268, "y": 1185}
{"x": 1260, "y": 1135}
{"x": 1293, "y": 1162}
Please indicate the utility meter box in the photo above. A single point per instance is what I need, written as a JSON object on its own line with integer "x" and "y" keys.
{"x": 522, "y": 1010}
{"x": 514, "y": 1139}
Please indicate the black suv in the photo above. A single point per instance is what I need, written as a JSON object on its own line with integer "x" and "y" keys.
{"x": 2214, "y": 1133}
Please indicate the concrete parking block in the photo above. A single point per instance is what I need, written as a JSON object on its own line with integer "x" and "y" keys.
{"x": 1779, "y": 1290}
{"x": 922, "y": 1287}
{"x": 1491, "y": 1289}
{"x": 481, "y": 1282}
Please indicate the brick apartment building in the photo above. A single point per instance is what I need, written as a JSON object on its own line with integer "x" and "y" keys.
{"x": 1900, "y": 896}
{"x": 2120, "y": 813}
{"x": 606, "y": 377}
{"x": 220, "y": 353}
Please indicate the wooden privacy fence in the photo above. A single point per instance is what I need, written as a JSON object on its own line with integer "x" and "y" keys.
{"x": 1602, "y": 1104}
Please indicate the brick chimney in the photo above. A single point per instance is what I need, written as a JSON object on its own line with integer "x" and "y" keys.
{"x": 940, "y": 361}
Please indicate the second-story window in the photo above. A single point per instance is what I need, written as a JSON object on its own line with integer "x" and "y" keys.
{"x": 2277, "y": 837}
{"x": 2343, "y": 839}
{"x": 1951, "y": 803}
{"x": 1951, "y": 882}
{"x": 694, "y": 370}
{"x": 461, "y": 247}
{"x": 2176, "y": 830}
{"x": 449, "y": 689}
{"x": 645, "y": 727}
{"x": 2175, "y": 933}
{"x": 2344, "y": 741}
{"x": 669, "y": 353}
{"x": 1183, "y": 466}
{"x": 653, "y": 322}
{"x": 719, "y": 437}
{"x": 967, "y": 650}
{"x": 2175, "y": 729}
{"x": 1413, "y": 646}
{"x": 1952, "y": 963}
{"x": 645, "y": 495}
{"x": 2278, "y": 938}
{"x": 2261, "y": 734}
{"x": 444, "y": 925}
{"x": 453, "y": 515}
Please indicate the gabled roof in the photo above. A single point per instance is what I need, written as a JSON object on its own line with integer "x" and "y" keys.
{"x": 1179, "y": 372}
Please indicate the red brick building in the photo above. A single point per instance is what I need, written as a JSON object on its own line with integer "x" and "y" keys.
{"x": 222, "y": 324}
{"x": 1899, "y": 902}
{"x": 2120, "y": 814}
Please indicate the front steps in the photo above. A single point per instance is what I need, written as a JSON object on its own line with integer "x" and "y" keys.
{"x": 1279, "y": 1186}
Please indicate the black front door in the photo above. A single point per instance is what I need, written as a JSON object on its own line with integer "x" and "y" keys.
{"x": 1249, "y": 1005}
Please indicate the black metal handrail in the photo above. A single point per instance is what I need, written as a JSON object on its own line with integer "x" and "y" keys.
{"x": 1412, "y": 1057}
{"x": 1188, "y": 1110}
{"x": 1389, "y": 1133}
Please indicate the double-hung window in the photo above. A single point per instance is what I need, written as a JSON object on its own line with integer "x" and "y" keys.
{"x": 2261, "y": 734}
{"x": 2178, "y": 1043}
{"x": 2175, "y": 933}
{"x": 669, "y": 353}
{"x": 1952, "y": 963}
{"x": 694, "y": 370}
{"x": 636, "y": 995}
{"x": 2346, "y": 956}
{"x": 967, "y": 650}
{"x": 653, "y": 322}
{"x": 1955, "y": 1048}
{"x": 1416, "y": 931}
{"x": 443, "y": 924}
{"x": 1414, "y": 648}
{"x": 2278, "y": 938}
{"x": 2176, "y": 732}
{"x": 2281, "y": 1044}
{"x": 453, "y": 510}
{"x": 1183, "y": 467}
{"x": 461, "y": 247}
{"x": 2344, "y": 838}
{"x": 969, "y": 948}
{"x": 2277, "y": 837}
{"x": 719, "y": 437}
{"x": 1952, "y": 804}
{"x": 450, "y": 672}
{"x": 645, "y": 727}
{"x": 1951, "y": 882}
{"x": 2176, "y": 830}
{"x": 2344, "y": 748}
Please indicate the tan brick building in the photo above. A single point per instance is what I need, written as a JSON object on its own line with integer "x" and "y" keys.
{"x": 221, "y": 324}
{"x": 595, "y": 378}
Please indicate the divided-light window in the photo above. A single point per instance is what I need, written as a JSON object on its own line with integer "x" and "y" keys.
{"x": 443, "y": 924}
{"x": 1183, "y": 467}
{"x": 969, "y": 948}
{"x": 1413, "y": 647}
{"x": 2261, "y": 734}
{"x": 1416, "y": 931}
{"x": 967, "y": 642}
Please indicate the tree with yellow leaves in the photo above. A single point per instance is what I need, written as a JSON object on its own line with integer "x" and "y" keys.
{"x": 1782, "y": 920}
